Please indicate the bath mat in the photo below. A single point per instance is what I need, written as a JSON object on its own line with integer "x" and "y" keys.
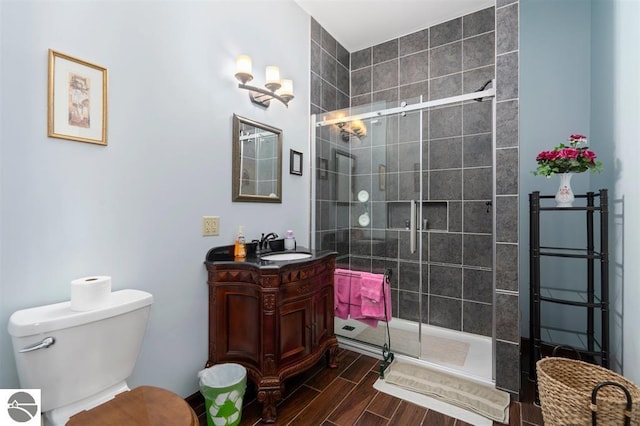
{"x": 478, "y": 398}
{"x": 432, "y": 404}
{"x": 401, "y": 341}
{"x": 444, "y": 350}
{"x": 435, "y": 349}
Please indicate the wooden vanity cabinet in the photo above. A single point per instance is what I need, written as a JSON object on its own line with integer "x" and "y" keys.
{"x": 276, "y": 320}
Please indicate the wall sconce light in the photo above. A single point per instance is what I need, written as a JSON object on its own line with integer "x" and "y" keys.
{"x": 276, "y": 88}
{"x": 355, "y": 128}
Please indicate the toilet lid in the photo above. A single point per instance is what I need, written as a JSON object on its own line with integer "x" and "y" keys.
{"x": 144, "y": 405}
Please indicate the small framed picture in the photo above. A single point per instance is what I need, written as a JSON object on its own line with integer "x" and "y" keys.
{"x": 295, "y": 162}
{"x": 77, "y": 100}
{"x": 323, "y": 168}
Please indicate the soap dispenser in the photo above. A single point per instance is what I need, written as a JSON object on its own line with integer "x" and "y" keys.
{"x": 289, "y": 241}
{"x": 240, "y": 249}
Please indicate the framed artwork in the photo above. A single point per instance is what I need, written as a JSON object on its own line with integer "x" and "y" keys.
{"x": 345, "y": 164}
{"x": 323, "y": 168}
{"x": 77, "y": 107}
{"x": 295, "y": 162}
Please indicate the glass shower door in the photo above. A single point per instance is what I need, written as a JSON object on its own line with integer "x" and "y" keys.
{"x": 410, "y": 189}
{"x": 400, "y": 207}
{"x": 368, "y": 187}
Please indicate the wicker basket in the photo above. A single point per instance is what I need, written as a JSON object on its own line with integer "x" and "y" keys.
{"x": 566, "y": 387}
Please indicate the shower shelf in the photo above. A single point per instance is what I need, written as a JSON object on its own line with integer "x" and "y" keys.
{"x": 434, "y": 212}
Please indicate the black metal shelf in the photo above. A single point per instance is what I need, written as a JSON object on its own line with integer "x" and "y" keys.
{"x": 569, "y": 297}
{"x": 570, "y": 302}
{"x": 552, "y": 337}
{"x": 569, "y": 252}
{"x": 594, "y": 297}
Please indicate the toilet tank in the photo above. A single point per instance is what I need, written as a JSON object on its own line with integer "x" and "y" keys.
{"x": 93, "y": 350}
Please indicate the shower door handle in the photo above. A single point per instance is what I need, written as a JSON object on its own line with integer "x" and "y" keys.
{"x": 412, "y": 228}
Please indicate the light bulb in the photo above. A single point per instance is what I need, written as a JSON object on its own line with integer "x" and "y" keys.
{"x": 272, "y": 78}
{"x": 286, "y": 91}
{"x": 243, "y": 68}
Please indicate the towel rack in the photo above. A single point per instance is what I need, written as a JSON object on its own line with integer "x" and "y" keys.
{"x": 387, "y": 355}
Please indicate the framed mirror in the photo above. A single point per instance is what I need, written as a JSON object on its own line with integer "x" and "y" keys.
{"x": 257, "y": 162}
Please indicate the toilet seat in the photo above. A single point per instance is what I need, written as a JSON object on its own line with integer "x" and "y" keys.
{"x": 144, "y": 405}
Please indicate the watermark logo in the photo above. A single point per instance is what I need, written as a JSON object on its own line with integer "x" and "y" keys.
{"x": 22, "y": 407}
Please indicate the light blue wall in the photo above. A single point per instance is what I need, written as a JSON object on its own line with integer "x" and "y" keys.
{"x": 554, "y": 103}
{"x": 615, "y": 112}
{"x": 580, "y": 73}
{"x": 133, "y": 209}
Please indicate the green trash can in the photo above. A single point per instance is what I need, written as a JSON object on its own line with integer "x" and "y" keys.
{"x": 223, "y": 387}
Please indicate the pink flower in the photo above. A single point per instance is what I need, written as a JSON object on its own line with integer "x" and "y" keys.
{"x": 568, "y": 153}
{"x": 576, "y": 139}
{"x": 568, "y": 159}
{"x": 544, "y": 155}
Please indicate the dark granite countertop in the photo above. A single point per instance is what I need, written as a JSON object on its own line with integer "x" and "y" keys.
{"x": 224, "y": 255}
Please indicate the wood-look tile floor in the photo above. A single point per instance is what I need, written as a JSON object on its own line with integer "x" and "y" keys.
{"x": 345, "y": 396}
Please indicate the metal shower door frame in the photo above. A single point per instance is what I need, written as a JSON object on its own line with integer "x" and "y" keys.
{"x": 481, "y": 95}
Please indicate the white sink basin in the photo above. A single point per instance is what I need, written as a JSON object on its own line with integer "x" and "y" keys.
{"x": 286, "y": 256}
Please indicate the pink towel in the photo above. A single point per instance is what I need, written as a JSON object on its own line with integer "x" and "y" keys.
{"x": 341, "y": 294}
{"x": 372, "y": 296}
{"x": 357, "y": 309}
{"x": 361, "y": 296}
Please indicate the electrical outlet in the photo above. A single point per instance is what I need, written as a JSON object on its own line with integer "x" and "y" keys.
{"x": 210, "y": 226}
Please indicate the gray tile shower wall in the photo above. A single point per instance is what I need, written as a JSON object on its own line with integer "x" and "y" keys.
{"x": 448, "y": 59}
{"x": 507, "y": 146}
{"x": 330, "y": 90}
{"x": 330, "y": 86}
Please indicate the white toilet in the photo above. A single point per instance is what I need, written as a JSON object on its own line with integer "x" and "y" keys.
{"x": 81, "y": 360}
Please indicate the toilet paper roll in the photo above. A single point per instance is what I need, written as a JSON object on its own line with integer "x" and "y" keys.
{"x": 90, "y": 293}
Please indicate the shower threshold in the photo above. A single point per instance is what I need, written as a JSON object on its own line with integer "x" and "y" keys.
{"x": 464, "y": 354}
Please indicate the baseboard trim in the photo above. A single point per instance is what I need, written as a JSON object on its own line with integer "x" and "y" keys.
{"x": 196, "y": 402}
